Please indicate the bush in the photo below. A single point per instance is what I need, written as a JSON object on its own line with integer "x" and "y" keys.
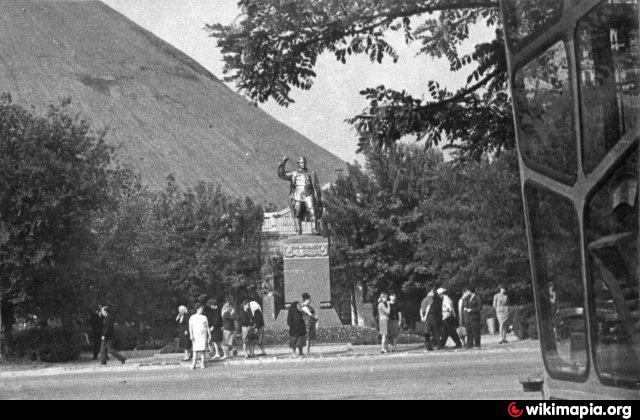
{"x": 126, "y": 337}
{"x": 525, "y": 322}
{"x": 170, "y": 347}
{"x": 157, "y": 344}
{"x": 47, "y": 344}
{"x": 134, "y": 337}
{"x": 487, "y": 312}
{"x": 339, "y": 334}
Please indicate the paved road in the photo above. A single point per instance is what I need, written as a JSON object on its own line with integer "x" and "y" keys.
{"x": 479, "y": 374}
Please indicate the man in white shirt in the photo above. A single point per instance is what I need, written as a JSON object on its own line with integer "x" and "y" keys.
{"x": 448, "y": 320}
{"x": 258, "y": 320}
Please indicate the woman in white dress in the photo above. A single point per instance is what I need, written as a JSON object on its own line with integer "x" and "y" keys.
{"x": 501, "y": 305}
{"x": 200, "y": 335}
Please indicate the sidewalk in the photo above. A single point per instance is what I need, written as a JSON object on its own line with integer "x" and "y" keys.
{"x": 276, "y": 354}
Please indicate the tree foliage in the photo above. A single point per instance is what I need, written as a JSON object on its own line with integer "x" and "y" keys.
{"x": 55, "y": 174}
{"x": 77, "y": 230}
{"x": 274, "y": 45}
{"x": 410, "y": 219}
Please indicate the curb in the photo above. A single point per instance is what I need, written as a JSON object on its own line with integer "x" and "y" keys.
{"x": 349, "y": 353}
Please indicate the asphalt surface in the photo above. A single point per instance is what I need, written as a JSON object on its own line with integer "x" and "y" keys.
{"x": 490, "y": 373}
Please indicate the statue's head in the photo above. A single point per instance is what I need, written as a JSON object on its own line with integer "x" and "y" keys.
{"x": 302, "y": 162}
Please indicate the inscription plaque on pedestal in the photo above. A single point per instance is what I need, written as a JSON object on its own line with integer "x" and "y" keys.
{"x": 306, "y": 269}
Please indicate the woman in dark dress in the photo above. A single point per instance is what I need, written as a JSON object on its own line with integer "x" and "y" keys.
{"x": 297, "y": 328}
{"x": 393, "y": 324}
{"x": 228, "y": 329}
{"x": 214, "y": 317}
{"x": 184, "y": 340}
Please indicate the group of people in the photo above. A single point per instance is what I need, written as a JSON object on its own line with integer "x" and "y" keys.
{"x": 302, "y": 321}
{"x": 212, "y": 329}
{"x": 438, "y": 313}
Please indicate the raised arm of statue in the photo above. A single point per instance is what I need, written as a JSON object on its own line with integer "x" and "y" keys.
{"x": 281, "y": 171}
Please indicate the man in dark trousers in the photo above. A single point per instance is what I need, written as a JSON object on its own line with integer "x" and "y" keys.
{"x": 108, "y": 338}
{"x": 96, "y": 331}
{"x": 258, "y": 324}
{"x": 434, "y": 321}
{"x": 448, "y": 320}
{"x": 424, "y": 311}
{"x": 473, "y": 309}
{"x": 247, "y": 326}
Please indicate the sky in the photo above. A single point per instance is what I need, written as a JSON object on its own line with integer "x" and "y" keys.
{"x": 318, "y": 114}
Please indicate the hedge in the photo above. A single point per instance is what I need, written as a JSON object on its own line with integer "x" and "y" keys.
{"x": 47, "y": 344}
{"x": 525, "y": 324}
{"x": 355, "y": 335}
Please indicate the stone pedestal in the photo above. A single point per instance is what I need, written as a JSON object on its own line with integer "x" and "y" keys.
{"x": 306, "y": 269}
{"x": 272, "y": 318}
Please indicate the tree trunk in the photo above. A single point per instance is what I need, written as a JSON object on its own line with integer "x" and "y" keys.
{"x": 354, "y": 305}
{"x": 2, "y": 350}
{"x": 6, "y": 323}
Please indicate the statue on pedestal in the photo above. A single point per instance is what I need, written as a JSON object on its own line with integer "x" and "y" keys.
{"x": 305, "y": 193}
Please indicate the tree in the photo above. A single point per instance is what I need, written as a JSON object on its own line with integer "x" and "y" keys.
{"x": 55, "y": 174}
{"x": 373, "y": 216}
{"x": 411, "y": 220}
{"x": 274, "y": 45}
{"x": 212, "y": 243}
{"x": 160, "y": 249}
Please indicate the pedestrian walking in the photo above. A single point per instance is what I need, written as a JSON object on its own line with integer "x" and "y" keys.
{"x": 108, "y": 338}
{"x": 462, "y": 329}
{"x": 246, "y": 322}
{"x": 310, "y": 320}
{"x": 228, "y": 329}
{"x": 97, "y": 325}
{"x": 258, "y": 325}
{"x": 425, "y": 305}
{"x": 448, "y": 320}
{"x": 214, "y": 318}
{"x": 383, "y": 321}
{"x": 501, "y": 305}
{"x": 395, "y": 319}
{"x": 184, "y": 342}
{"x": 434, "y": 321}
{"x": 200, "y": 335}
{"x": 297, "y": 328}
{"x": 473, "y": 309}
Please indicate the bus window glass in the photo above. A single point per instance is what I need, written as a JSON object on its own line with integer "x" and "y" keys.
{"x": 545, "y": 113}
{"x": 609, "y": 73}
{"x": 556, "y": 254}
{"x": 525, "y": 19}
{"x": 611, "y": 231}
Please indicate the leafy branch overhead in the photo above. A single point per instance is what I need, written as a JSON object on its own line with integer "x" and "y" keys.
{"x": 273, "y": 47}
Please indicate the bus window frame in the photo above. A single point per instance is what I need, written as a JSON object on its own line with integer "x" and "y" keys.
{"x": 627, "y": 144}
{"x": 566, "y": 179}
{"x": 610, "y": 172}
{"x": 587, "y": 185}
{"x": 537, "y": 290}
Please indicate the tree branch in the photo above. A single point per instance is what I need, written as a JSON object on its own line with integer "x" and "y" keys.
{"x": 464, "y": 92}
{"x": 390, "y": 17}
